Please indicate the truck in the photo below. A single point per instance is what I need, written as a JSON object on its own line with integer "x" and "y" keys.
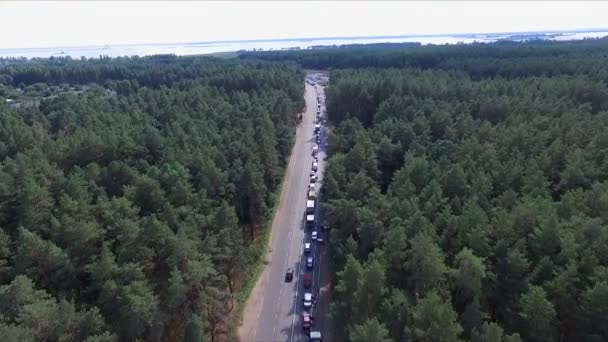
{"x": 312, "y": 194}
{"x": 310, "y": 207}
{"x": 314, "y": 336}
{"x": 310, "y": 221}
{"x": 307, "y": 280}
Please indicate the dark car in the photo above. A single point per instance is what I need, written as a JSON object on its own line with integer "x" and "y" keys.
{"x": 289, "y": 275}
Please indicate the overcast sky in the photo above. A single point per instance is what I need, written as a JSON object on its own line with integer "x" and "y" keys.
{"x": 70, "y": 23}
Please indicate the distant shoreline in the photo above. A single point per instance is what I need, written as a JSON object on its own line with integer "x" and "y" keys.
{"x": 223, "y": 46}
{"x": 300, "y": 39}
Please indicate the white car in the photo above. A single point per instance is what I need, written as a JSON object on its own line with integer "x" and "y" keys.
{"x": 312, "y": 173}
{"x": 314, "y": 235}
{"x": 307, "y": 300}
{"x": 307, "y": 247}
{"x": 309, "y": 262}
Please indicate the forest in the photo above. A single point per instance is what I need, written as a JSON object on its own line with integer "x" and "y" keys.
{"x": 468, "y": 198}
{"x": 135, "y": 192}
{"x": 479, "y": 60}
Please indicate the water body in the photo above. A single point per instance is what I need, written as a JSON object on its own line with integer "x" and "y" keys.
{"x": 198, "y": 48}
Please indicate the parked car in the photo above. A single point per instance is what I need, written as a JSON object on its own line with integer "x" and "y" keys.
{"x": 307, "y": 300}
{"x": 306, "y": 320}
{"x": 310, "y": 221}
{"x": 314, "y": 235}
{"x": 307, "y": 247}
{"x": 309, "y": 262}
{"x": 289, "y": 275}
{"x": 307, "y": 280}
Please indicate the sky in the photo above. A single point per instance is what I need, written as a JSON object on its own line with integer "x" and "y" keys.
{"x": 72, "y": 23}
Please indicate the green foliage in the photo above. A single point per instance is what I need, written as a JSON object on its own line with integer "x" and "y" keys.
{"x": 537, "y": 315}
{"x": 476, "y": 177}
{"x": 434, "y": 320}
{"x": 425, "y": 265}
{"x": 492, "y": 332}
{"x": 130, "y": 211}
{"x": 371, "y": 330}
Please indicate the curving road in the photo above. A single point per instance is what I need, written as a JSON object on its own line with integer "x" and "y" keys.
{"x": 279, "y": 306}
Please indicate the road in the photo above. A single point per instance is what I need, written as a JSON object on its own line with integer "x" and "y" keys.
{"x": 279, "y": 306}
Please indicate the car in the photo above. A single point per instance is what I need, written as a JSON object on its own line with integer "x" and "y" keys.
{"x": 319, "y": 240}
{"x": 312, "y": 173}
{"x": 310, "y": 221}
{"x": 313, "y": 179}
{"x": 307, "y": 300}
{"x": 309, "y": 262}
{"x": 307, "y": 281}
{"x": 314, "y": 235}
{"x": 289, "y": 275}
{"x": 311, "y": 186}
{"x": 306, "y": 320}
{"x": 307, "y": 247}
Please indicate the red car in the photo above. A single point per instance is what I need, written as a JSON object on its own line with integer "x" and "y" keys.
{"x": 306, "y": 320}
{"x": 307, "y": 280}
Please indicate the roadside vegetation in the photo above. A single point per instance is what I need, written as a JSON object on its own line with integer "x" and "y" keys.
{"x": 467, "y": 191}
{"x": 134, "y": 192}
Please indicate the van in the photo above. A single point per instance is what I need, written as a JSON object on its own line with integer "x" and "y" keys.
{"x": 310, "y": 221}
{"x": 310, "y": 207}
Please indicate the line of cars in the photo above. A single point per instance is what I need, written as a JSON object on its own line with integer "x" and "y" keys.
{"x": 315, "y": 239}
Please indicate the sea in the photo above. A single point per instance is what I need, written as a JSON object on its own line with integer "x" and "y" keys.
{"x": 202, "y": 48}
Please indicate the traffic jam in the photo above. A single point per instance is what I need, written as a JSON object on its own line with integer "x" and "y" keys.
{"x": 313, "y": 237}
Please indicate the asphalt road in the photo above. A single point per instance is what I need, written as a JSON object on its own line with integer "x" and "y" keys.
{"x": 281, "y": 306}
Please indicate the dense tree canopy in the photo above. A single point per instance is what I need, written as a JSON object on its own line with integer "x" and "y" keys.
{"x": 130, "y": 208}
{"x": 479, "y": 60}
{"x": 476, "y": 200}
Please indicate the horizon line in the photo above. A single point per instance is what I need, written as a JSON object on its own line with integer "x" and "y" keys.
{"x": 311, "y": 39}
